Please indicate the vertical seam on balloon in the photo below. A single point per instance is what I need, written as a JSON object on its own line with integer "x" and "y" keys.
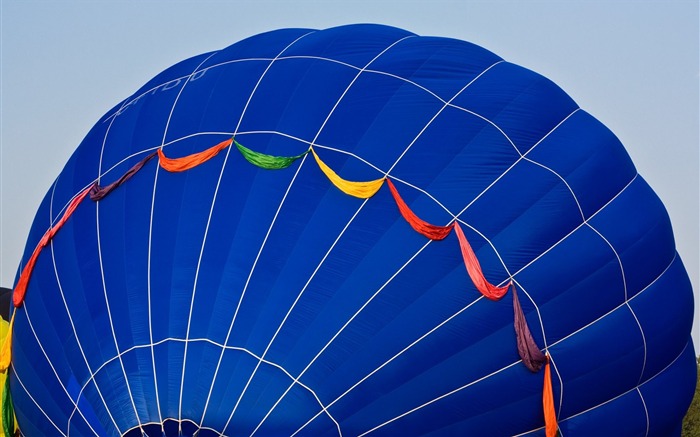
{"x": 109, "y": 312}
{"x": 34, "y": 400}
{"x": 240, "y": 119}
{"x": 104, "y": 284}
{"x": 104, "y": 288}
{"x": 624, "y": 283}
{"x": 646, "y": 412}
{"x": 148, "y": 296}
{"x": 150, "y": 234}
{"x": 70, "y": 317}
{"x": 196, "y": 275}
{"x": 318, "y": 133}
{"x": 60, "y": 382}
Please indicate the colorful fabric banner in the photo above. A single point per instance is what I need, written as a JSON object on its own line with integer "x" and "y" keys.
{"x": 193, "y": 160}
{"x": 6, "y": 349}
{"x": 422, "y": 227}
{"x": 268, "y": 162}
{"x": 550, "y": 413}
{"x": 21, "y": 287}
{"x": 474, "y": 269}
{"x": 98, "y": 193}
{"x": 532, "y": 356}
{"x": 363, "y": 190}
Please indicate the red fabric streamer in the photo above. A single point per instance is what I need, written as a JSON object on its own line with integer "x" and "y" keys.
{"x": 422, "y": 227}
{"x": 98, "y": 193}
{"x": 550, "y": 413}
{"x": 21, "y": 287}
{"x": 474, "y": 269}
{"x": 532, "y": 356}
{"x": 193, "y": 160}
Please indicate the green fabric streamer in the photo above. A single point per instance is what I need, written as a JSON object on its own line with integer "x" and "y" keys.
{"x": 268, "y": 162}
{"x": 8, "y": 412}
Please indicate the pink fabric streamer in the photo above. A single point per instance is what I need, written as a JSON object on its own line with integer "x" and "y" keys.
{"x": 474, "y": 269}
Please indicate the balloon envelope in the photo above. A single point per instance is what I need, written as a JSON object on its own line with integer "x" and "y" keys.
{"x": 243, "y": 301}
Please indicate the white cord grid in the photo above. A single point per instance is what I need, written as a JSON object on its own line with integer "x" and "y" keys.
{"x": 261, "y": 359}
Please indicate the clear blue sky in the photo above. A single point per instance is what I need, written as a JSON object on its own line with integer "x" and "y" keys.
{"x": 632, "y": 64}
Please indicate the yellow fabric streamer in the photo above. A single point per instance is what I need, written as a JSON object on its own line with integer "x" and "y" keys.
{"x": 6, "y": 350}
{"x": 363, "y": 190}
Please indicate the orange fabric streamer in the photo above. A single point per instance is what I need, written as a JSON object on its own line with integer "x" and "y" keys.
{"x": 474, "y": 269}
{"x": 422, "y": 227}
{"x": 550, "y": 414}
{"x": 21, "y": 287}
{"x": 193, "y": 160}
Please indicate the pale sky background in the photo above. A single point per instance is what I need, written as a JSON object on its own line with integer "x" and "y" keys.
{"x": 631, "y": 64}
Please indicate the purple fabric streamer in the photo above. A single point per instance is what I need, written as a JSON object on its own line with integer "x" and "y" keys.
{"x": 98, "y": 193}
{"x": 532, "y": 356}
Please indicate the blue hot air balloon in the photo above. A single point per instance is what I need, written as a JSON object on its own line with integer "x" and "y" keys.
{"x": 319, "y": 233}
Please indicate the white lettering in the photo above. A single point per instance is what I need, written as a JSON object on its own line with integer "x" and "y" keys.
{"x": 197, "y": 74}
{"x": 168, "y": 85}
